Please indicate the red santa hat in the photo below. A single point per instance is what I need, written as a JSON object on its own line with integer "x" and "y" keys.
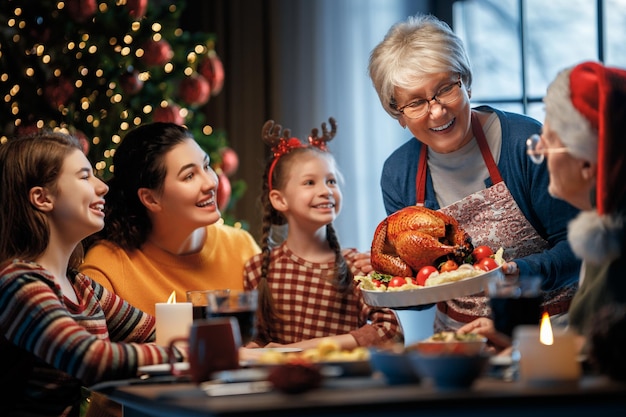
{"x": 586, "y": 106}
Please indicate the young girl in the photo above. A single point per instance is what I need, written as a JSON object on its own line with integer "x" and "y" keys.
{"x": 306, "y": 289}
{"x": 60, "y": 330}
{"x": 162, "y": 232}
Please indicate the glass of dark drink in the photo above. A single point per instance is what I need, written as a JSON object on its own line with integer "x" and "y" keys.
{"x": 514, "y": 302}
{"x": 239, "y": 304}
{"x": 199, "y": 300}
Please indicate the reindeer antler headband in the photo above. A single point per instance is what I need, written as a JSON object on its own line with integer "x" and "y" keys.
{"x": 283, "y": 144}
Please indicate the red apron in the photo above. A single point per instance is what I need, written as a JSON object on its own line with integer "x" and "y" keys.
{"x": 493, "y": 218}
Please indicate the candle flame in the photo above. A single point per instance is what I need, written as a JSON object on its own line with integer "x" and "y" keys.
{"x": 172, "y": 298}
{"x": 545, "y": 330}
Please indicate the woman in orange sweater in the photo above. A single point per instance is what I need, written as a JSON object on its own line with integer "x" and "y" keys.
{"x": 163, "y": 231}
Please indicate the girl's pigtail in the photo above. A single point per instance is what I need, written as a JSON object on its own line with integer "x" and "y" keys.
{"x": 267, "y": 317}
{"x": 343, "y": 275}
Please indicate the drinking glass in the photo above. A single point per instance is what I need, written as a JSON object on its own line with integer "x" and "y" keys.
{"x": 240, "y": 304}
{"x": 199, "y": 300}
{"x": 514, "y": 302}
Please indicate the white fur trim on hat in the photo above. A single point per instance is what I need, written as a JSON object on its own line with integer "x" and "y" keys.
{"x": 574, "y": 129}
{"x": 596, "y": 239}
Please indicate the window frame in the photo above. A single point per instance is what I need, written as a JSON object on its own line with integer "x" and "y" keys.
{"x": 444, "y": 10}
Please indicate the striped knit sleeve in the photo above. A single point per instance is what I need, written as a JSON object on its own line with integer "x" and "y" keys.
{"x": 34, "y": 317}
{"x": 125, "y": 322}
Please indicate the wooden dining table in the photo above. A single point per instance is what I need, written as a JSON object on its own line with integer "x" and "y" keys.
{"x": 368, "y": 396}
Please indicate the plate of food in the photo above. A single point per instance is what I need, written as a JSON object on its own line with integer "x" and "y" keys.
{"x": 162, "y": 369}
{"x": 251, "y": 356}
{"x": 450, "y": 343}
{"x": 458, "y": 283}
{"x": 422, "y": 256}
{"x": 333, "y": 360}
{"x": 279, "y": 349}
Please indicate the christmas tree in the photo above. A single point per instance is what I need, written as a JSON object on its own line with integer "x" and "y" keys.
{"x": 97, "y": 68}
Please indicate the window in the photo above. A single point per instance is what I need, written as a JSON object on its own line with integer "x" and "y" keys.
{"x": 517, "y": 47}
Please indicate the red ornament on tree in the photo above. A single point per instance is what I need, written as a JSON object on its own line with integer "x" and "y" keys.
{"x": 58, "y": 91}
{"x": 81, "y": 10}
{"x": 212, "y": 69}
{"x": 26, "y": 129}
{"x": 169, "y": 114}
{"x": 157, "y": 52}
{"x": 130, "y": 82}
{"x": 194, "y": 90}
{"x": 230, "y": 161}
{"x": 224, "y": 191}
{"x": 137, "y": 8}
{"x": 84, "y": 141}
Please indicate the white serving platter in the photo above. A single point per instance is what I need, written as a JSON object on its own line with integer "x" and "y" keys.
{"x": 430, "y": 295}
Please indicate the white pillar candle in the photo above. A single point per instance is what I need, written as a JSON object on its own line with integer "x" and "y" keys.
{"x": 542, "y": 364}
{"x": 172, "y": 320}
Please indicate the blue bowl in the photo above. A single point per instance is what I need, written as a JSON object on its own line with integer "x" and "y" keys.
{"x": 449, "y": 372}
{"x": 395, "y": 366}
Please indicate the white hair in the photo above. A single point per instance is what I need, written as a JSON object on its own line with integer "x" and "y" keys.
{"x": 573, "y": 128}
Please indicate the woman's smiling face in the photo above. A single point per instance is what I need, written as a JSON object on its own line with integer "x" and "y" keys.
{"x": 188, "y": 195}
{"x": 445, "y": 127}
{"x": 78, "y": 198}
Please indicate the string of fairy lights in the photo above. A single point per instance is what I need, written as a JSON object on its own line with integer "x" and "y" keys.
{"x": 99, "y": 78}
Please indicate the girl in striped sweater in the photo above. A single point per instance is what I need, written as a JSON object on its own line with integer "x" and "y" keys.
{"x": 60, "y": 330}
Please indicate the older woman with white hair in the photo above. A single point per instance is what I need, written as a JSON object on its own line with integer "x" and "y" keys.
{"x": 584, "y": 141}
{"x": 469, "y": 163}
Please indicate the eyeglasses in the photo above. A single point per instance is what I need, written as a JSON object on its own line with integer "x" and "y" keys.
{"x": 536, "y": 151}
{"x": 448, "y": 94}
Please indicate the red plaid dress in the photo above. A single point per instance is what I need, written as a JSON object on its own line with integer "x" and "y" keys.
{"x": 311, "y": 306}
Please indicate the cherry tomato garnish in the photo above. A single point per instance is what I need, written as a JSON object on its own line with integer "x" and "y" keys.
{"x": 481, "y": 252}
{"x": 487, "y": 264}
{"x": 397, "y": 282}
{"x": 423, "y": 274}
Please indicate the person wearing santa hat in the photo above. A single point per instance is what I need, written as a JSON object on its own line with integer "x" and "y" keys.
{"x": 584, "y": 142}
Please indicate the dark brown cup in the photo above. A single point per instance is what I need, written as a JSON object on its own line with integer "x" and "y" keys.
{"x": 213, "y": 345}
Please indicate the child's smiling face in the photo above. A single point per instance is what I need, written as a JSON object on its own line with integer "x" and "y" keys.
{"x": 311, "y": 192}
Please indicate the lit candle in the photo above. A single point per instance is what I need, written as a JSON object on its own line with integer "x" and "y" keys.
{"x": 173, "y": 320}
{"x": 546, "y": 357}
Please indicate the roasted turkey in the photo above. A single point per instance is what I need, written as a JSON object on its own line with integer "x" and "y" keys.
{"x": 414, "y": 237}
